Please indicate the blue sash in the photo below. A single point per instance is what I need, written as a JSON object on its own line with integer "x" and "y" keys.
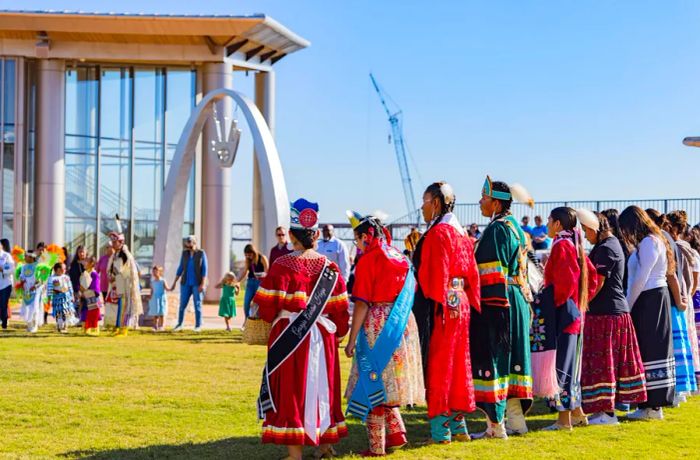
{"x": 369, "y": 391}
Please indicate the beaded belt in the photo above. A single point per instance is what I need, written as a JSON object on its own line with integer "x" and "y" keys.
{"x": 456, "y": 283}
{"x": 455, "y": 286}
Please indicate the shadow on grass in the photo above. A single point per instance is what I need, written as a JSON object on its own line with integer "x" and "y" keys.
{"x": 244, "y": 447}
{"x": 250, "y": 447}
{"x": 202, "y": 338}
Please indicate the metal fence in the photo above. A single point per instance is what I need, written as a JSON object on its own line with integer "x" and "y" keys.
{"x": 242, "y": 234}
{"x": 469, "y": 213}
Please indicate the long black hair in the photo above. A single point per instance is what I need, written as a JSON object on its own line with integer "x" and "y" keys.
{"x": 636, "y": 224}
{"x": 567, "y": 218}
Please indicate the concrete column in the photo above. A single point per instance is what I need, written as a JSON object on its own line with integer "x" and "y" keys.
{"x": 216, "y": 183}
{"x": 263, "y": 231}
{"x": 49, "y": 198}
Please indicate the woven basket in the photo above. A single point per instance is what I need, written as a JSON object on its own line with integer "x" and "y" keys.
{"x": 256, "y": 332}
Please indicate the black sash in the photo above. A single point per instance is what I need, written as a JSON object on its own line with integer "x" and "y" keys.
{"x": 294, "y": 334}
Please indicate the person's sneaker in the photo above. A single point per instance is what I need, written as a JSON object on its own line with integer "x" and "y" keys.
{"x": 677, "y": 400}
{"x": 431, "y": 441}
{"x": 647, "y": 414}
{"x": 557, "y": 427}
{"x": 603, "y": 419}
{"x": 177, "y": 328}
{"x": 495, "y": 431}
{"x": 197, "y": 329}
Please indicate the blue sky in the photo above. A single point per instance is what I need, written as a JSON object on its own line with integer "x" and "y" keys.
{"x": 575, "y": 100}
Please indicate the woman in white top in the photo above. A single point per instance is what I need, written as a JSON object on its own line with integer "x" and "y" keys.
{"x": 648, "y": 296}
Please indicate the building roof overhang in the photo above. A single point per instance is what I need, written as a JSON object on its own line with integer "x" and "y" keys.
{"x": 255, "y": 41}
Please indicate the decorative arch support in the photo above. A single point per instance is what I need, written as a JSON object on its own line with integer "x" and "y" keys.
{"x": 168, "y": 243}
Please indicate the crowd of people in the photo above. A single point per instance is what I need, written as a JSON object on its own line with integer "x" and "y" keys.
{"x": 86, "y": 291}
{"x": 464, "y": 321}
{"x": 82, "y": 290}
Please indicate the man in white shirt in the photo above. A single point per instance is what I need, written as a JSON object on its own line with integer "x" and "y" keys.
{"x": 7, "y": 270}
{"x": 335, "y": 250}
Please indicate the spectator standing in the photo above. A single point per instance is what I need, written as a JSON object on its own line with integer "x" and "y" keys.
{"x": 474, "y": 231}
{"x": 540, "y": 240}
{"x": 282, "y": 248}
{"x": 256, "y": 269}
{"x": 102, "y": 268}
{"x": 525, "y": 225}
{"x": 335, "y": 250}
{"x": 192, "y": 274}
{"x": 76, "y": 269}
{"x": 7, "y": 270}
{"x": 411, "y": 240}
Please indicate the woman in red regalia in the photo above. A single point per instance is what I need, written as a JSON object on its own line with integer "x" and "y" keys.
{"x": 305, "y": 299}
{"x": 386, "y": 371}
{"x": 573, "y": 277}
{"x": 448, "y": 286}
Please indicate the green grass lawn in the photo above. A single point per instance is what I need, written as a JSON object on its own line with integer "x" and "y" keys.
{"x": 183, "y": 395}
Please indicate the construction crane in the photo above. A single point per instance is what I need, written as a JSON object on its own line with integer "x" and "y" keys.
{"x": 396, "y": 121}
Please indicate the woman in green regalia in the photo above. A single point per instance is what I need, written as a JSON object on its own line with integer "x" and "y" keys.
{"x": 500, "y": 333}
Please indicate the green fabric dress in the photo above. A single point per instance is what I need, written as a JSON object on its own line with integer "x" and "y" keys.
{"x": 500, "y": 334}
{"x": 227, "y": 303}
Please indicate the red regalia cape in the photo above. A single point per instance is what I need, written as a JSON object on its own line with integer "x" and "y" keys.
{"x": 447, "y": 254}
{"x": 286, "y": 289}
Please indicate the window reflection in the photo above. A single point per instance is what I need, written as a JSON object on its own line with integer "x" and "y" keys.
{"x": 115, "y": 144}
{"x": 134, "y": 118}
{"x": 81, "y": 118}
{"x": 81, "y": 232}
{"x": 7, "y": 131}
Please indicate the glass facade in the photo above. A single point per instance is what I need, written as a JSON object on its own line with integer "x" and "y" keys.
{"x": 122, "y": 127}
{"x": 8, "y": 96}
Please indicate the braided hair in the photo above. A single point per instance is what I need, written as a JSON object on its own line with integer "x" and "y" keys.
{"x": 568, "y": 220}
{"x": 505, "y": 204}
{"x": 443, "y": 192}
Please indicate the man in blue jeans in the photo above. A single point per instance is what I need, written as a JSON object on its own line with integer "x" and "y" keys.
{"x": 192, "y": 274}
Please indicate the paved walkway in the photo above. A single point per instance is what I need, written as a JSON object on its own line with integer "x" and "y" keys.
{"x": 210, "y": 317}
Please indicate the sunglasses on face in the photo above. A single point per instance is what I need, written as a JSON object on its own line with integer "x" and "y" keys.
{"x": 280, "y": 234}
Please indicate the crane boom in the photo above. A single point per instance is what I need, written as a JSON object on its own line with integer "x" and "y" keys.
{"x": 396, "y": 122}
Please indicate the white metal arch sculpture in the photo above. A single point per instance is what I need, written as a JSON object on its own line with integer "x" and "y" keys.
{"x": 168, "y": 243}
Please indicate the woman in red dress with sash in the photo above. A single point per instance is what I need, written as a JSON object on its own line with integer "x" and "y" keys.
{"x": 304, "y": 404}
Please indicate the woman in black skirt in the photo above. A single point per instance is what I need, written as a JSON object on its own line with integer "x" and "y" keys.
{"x": 648, "y": 295}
